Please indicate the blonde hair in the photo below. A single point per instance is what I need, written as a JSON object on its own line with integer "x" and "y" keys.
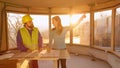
{"x": 60, "y": 27}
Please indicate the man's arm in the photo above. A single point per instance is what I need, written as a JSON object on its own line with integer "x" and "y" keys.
{"x": 20, "y": 45}
{"x": 40, "y": 41}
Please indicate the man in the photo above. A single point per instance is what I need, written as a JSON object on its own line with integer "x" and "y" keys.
{"x": 29, "y": 38}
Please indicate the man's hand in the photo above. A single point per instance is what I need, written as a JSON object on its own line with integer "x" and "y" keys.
{"x": 40, "y": 49}
{"x": 29, "y": 50}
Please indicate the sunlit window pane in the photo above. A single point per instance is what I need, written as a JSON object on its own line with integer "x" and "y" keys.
{"x": 65, "y": 20}
{"x": 102, "y": 28}
{"x": 42, "y": 22}
{"x": 117, "y": 29}
{"x": 81, "y": 33}
{"x": 15, "y": 23}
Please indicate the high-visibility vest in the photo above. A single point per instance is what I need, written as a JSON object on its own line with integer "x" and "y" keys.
{"x": 31, "y": 42}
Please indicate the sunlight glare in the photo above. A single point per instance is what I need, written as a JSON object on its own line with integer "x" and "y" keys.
{"x": 75, "y": 18}
{"x": 76, "y": 40}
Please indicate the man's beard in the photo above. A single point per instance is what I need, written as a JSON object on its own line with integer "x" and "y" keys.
{"x": 31, "y": 26}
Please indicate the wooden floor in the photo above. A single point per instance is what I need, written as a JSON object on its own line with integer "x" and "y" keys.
{"x": 77, "y": 62}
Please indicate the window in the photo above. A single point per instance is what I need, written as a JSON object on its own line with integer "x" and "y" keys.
{"x": 81, "y": 33}
{"x": 15, "y": 23}
{"x": 117, "y": 29}
{"x": 102, "y": 28}
{"x": 42, "y": 22}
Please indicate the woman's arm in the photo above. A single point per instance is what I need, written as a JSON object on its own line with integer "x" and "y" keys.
{"x": 49, "y": 47}
{"x": 51, "y": 39}
{"x": 78, "y": 22}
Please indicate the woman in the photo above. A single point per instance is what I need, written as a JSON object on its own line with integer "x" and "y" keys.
{"x": 58, "y": 36}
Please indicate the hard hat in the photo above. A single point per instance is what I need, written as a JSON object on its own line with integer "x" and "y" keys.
{"x": 26, "y": 19}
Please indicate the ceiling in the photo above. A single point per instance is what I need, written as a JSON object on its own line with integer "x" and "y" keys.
{"x": 57, "y": 6}
{"x": 55, "y": 3}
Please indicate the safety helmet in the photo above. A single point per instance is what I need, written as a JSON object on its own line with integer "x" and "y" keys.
{"x": 26, "y": 19}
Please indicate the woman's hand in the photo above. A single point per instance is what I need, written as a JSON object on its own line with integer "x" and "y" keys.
{"x": 83, "y": 16}
{"x": 48, "y": 49}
